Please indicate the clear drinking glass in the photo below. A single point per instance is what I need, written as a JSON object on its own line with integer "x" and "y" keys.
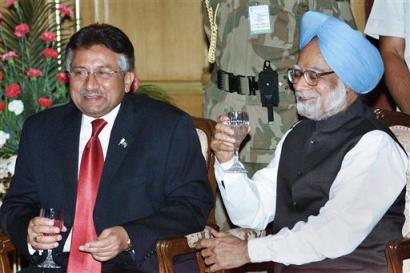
{"x": 239, "y": 122}
{"x": 58, "y": 216}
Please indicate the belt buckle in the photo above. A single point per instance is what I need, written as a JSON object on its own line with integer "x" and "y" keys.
{"x": 234, "y": 83}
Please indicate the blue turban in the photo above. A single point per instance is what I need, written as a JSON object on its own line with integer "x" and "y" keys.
{"x": 348, "y": 53}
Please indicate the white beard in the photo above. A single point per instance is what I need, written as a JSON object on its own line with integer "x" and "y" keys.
{"x": 336, "y": 102}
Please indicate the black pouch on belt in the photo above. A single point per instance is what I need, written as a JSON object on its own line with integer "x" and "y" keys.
{"x": 269, "y": 88}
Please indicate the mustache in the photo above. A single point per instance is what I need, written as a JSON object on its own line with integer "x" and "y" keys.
{"x": 302, "y": 95}
{"x": 90, "y": 92}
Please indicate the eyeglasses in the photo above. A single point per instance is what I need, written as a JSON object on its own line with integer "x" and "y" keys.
{"x": 311, "y": 77}
{"x": 101, "y": 74}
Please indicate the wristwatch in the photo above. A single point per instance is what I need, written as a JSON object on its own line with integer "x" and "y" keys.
{"x": 129, "y": 245}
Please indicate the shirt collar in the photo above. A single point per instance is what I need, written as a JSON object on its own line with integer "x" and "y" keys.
{"x": 109, "y": 118}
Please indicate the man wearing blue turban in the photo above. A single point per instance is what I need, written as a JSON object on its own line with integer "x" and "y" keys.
{"x": 334, "y": 190}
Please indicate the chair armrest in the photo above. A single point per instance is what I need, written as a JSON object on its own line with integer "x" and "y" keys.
{"x": 167, "y": 249}
{"x": 397, "y": 251}
{"x": 6, "y": 247}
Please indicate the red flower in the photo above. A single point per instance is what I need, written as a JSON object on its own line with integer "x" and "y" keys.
{"x": 61, "y": 77}
{"x": 135, "y": 84}
{"x": 8, "y": 55}
{"x": 13, "y": 90}
{"x": 21, "y": 30}
{"x": 34, "y": 73}
{"x": 48, "y": 37}
{"x": 50, "y": 53}
{"x": 44, "y": 102}
{"x": 63, "y": 9}
{"x": 1, "y": 76}
{"x": 2, "y": 106}
{"x": 10, "y": 2}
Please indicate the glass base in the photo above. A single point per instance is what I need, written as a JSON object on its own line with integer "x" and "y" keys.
{"x": 49, "y": 262}
{"x": 236, "y": 168}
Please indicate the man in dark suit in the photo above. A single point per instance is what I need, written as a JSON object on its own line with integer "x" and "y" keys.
{"x": 152, "y": 182}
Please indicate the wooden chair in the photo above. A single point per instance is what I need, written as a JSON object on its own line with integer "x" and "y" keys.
{"x": 7, "y": 250}
{"x": 399, "y": 123}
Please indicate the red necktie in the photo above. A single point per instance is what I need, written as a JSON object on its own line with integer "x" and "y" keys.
{"x": 92, "y": 163}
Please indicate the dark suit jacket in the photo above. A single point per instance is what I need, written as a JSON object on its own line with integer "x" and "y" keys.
{"x": 156, "y": 187}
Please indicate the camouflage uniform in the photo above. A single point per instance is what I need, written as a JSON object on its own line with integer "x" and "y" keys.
{"x": 240, "y": 53}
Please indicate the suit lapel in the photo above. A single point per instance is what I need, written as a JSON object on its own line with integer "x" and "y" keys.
{"x": 70, "y": 144}
{"x": 121, "y": 137}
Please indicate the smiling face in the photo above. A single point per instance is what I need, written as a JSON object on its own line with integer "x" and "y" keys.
{"x": 329, "y": 96}
{"x": 97, "y": 95}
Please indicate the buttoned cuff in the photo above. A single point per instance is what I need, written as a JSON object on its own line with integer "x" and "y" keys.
{"x": 31, "y": 250}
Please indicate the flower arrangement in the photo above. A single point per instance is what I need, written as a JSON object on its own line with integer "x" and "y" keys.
{"x": 32, "y": 77}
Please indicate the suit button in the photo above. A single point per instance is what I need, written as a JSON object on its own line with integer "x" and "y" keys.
{"x": 294, "y": 203}
{"x": 313, "y": 141}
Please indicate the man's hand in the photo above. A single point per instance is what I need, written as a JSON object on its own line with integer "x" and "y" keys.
{"x": 37, "y": 228}
{"x": 223, "y": 140}
{"x": 224, "y": 251}
{"x": 109, "y": 244}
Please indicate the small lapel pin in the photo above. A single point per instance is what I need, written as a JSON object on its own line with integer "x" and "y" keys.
{"x": 123, "y": 143}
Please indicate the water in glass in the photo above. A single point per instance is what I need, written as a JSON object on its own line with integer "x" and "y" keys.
{"x": 239, "y": 122}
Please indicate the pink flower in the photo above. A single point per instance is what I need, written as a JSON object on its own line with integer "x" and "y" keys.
{"x": 8, "y": 55}
{"x": 135, "y": 84}
{"x": 34, "y": 73}
{"x": 63, "y": 9}
{"x": 10, "y": 2}
{"x": 13, "y": 90}
{"x": 50, "y": 53}
{"x": 44, "y": 102}
{"x": 61, "y": 77}
{"x": 2, "y": 106}
{"x": 48, "y": 37}
{"x": 21, "y": 30}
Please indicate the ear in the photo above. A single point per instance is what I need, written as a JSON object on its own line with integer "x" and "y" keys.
{"x": 351, "y": 95}
{"x": 128, "y": 79}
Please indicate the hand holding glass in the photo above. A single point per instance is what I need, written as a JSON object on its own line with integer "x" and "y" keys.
{"x": 58, "y": 216}
{"x": 239, "y": 122}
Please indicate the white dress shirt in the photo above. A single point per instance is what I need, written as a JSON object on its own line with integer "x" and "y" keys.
{"x": 371, "y": 177}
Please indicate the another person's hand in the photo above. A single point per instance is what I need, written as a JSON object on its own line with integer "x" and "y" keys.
{"x": 109, "y": 244}
{"x": 42, "y": 235}
{"x": 224, "y": 251}
{"x": 223, "y": 140}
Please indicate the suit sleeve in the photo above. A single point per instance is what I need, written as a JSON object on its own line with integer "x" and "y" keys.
{"x": 188, "y": 196}
{"x": 21, "y": 201}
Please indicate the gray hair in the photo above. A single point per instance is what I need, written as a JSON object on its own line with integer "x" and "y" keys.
{"x": 122, "y": 61}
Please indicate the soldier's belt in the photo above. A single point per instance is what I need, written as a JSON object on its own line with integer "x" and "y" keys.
{"x": 246, "y": 85}
{"x": 268, "y": 84}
